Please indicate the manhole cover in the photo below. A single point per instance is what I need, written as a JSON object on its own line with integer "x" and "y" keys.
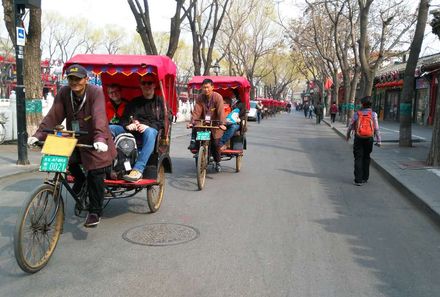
{"x": 160, "y": 234}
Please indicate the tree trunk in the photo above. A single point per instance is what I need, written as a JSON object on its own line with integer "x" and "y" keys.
{"x": 405, "y": 139}
{"x": 143, "y": 26}
{"x": 32, "y": 71}
{"x": 32, "y": 60}
{"x": 434, "y": 152}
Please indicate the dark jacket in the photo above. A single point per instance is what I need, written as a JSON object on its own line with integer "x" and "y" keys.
{"x": 91, "y": 118}
{"x": 149, "y": 112}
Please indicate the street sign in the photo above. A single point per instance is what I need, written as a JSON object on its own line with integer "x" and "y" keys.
{"x": 21, "y": 36}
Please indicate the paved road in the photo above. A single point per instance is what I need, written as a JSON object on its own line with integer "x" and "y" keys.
{"x": 289, "y": 224}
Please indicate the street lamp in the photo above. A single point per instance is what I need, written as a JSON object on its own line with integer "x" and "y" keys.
{"x": 216, "y": 68}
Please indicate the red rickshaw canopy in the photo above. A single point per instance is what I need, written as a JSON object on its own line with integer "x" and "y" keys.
{"x": 224, "y": 85}
{"x": 125, "y": 70}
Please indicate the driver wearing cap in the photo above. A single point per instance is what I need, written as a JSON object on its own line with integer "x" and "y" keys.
{"x": 83, "y": 107}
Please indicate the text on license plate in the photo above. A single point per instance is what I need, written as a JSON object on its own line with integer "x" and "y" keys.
{"x": 203, "y": 135}
{"x": 50, "y": 163}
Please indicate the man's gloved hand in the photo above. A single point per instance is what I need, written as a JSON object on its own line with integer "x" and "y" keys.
{"x": 32, "y": 141}
{"x": 100, "y": 147}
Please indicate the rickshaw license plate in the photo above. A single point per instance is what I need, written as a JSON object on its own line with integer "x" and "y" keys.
{"x": 203, "y": 135}
{"x": 50, "y": 163}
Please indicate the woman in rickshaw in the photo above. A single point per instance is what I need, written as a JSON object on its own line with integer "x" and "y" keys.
{"x": 144, "y": 117}
{"x": 233, "y": 119}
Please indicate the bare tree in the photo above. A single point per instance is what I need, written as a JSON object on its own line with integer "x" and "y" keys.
{"x": 32, "y": 58}
{"x": 434, "y": 152}
{"x": 143, "y": 26}
{"x": 113, "y": 37}
{"x": 405, "y": 138}
{"x": 395, "y": 22}
{"x": 205, "y": 23}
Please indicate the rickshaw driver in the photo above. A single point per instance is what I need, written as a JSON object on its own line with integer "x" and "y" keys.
{"x": 143, "y": 116}
{"x": 83, "y": 107}
{"x": 209, "y": 106}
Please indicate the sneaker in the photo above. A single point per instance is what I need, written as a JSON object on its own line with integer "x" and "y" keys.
{"x": 365, "y": 181}
{"x": 218, "y": 167}
{"x": 92, "y": 220}
{"x": 192, "y": 146}
{"x": 133, "y": 176}
{"x": 357, "y": 183}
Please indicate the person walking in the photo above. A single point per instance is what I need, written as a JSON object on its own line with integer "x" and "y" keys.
{"x": 319, "y": 111}
{"x": 311, "y": 110}
{"x": 366, "y": 127}
{"x": 333, "y": 112}
{"x": 259, "y": 111}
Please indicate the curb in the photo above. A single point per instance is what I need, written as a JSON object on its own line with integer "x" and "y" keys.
{"x": 412, "y": 197}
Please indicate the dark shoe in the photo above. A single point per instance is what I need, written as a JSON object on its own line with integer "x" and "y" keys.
{"x": 192, "y": 146}
{"x": 218, "y": 168}
{"x": 357, "y": 183}
{"x": 133, "y": 176}
{"x": 365, "y": 181}
{"x": 92, "y": 220}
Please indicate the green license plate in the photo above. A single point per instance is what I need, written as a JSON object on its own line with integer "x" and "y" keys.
{"x": 203, "y": 135}
{"x": 51, "y": 163}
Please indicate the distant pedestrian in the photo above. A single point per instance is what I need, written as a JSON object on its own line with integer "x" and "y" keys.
{"x": 306, "y": 110}
{"x": 365, "y": 126}
{"x": 333, "y": 111}
{"x": 311, "y": 110}
{"x": 259, "y": 111}
{"x": 319, "y": 111}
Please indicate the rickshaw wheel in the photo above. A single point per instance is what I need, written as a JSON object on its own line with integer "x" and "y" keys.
{"x": 202, "y": 164}
{"x": 155, "y": 193}
{"x": 238, "y": 163}
{"x": 38, "y": 229}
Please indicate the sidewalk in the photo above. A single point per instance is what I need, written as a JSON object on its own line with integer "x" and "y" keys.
{"x": 405, "y": 167}
{"x": 9, "y": 155}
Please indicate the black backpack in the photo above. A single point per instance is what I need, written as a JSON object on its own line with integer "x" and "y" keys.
{"x": 127, "y": 152}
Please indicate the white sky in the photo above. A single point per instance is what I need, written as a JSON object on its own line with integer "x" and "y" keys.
{"x": 118, "y": 12}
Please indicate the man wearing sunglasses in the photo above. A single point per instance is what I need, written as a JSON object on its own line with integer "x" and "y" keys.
{"x": 143, "y": 117}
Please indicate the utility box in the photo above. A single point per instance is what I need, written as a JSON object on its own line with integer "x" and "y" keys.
{"x": 28, "y": 3}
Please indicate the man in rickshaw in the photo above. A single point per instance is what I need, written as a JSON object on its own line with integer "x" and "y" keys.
{"x": 115, "y": 106}
{"x": 209, "y": 107}
{"x": 83, "y": 107}
{"x": 143, "y": 116}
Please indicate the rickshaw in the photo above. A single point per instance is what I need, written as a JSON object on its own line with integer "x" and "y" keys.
{"x": 40, "y": 221}
{"x": 225, "y": 86}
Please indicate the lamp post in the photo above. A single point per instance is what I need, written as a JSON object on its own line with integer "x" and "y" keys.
{"x": 216, "y": 68}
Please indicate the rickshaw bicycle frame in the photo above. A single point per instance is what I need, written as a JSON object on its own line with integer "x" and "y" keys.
{"x": 42, "y": 215}
{"x": 204, "y": 138}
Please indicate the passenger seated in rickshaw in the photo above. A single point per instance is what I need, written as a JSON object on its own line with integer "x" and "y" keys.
{"x": 233, "y": 120}
{"x": 144, "y": 117}
{"x": 115, "y": 107}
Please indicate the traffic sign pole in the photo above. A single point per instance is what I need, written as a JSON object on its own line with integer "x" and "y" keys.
{"x": 19, "y": 90}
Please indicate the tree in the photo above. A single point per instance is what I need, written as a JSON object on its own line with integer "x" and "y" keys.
{"x": 143, "y": 25}
{"x": 394, "y": 22}
{"x": 434, "y": 152}
{"x": 405, "y": 138}
{"x": 32, "y": 57}
{"x": 113, "y": 36}
{"x": 205, "y": 23}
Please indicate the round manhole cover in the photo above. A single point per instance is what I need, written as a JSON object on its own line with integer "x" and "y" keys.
{"x": 160, "y": 234}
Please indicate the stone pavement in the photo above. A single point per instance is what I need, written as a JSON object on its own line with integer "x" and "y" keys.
{"x": 406, "y": 167}
{"x": 9, "y": 155}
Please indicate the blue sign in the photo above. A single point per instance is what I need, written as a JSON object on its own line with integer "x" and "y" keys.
{"x": 21, "y": 36}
